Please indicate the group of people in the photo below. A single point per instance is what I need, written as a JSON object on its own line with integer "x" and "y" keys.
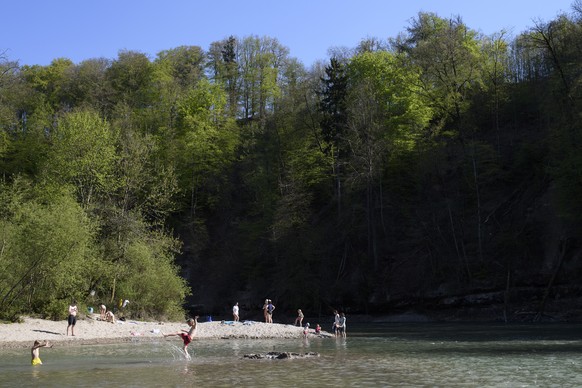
{"x": 338, "y": 328}
{"x": 186, "y": 336}
{"x": 268, "y": 308}
{"x": 106, "y": 315}
{"x": 339, "y": 324}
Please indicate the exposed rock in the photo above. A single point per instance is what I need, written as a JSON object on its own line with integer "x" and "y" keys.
{"x": 279, "y": 355}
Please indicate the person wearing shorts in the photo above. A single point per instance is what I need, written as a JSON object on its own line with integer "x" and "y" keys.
{"x": 186, "y": 335}
{"x": 35, "y": 351}
{"x": 72, "y": 319}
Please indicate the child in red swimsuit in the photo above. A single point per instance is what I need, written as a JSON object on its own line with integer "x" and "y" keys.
{"x": 186, "y": 334}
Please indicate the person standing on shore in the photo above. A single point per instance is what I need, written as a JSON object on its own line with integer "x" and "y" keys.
{"x": 35, "y": 351}
{"x": 265, "y": 314}
{"x": 270, "y": 309}
{"x": 72, "y": 319}
{"x": 235, "y": 316}
{"x": 299, "y": 319}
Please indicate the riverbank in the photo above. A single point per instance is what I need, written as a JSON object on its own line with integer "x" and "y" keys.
{"x": 90, "y": 331}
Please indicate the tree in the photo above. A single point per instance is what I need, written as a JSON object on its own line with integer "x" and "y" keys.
{"x": 48, "y": 252}
{"x": 50, "y": 81}
{"x": 83, "y": 153}
{"x": 84, "y": 85}
{"x": 260, "y": 60}
{"x": 186, "y": 64}
{"x": 207, "y": 142}
{"x": 334, "y": 117}
{"x": 130, "y": 77}
{"x": 386, "y": 116}
{"x": 449, "y": 55}
{"x": 224, "y": 67}
{"x": 8, "y": 79}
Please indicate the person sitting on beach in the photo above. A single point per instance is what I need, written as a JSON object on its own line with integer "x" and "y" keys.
{"x": 110, "y": 317}
{"x": 186, "y": 335}
{"x": 102, "y": 311}
{"x": 35, "y": 351}
{"x": 235, "y": 316}
{"x": 72, "y": 319}
{"x": 299, "y": 319}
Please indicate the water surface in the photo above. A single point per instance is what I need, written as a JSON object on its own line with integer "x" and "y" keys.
{"x": 382, "y": 355}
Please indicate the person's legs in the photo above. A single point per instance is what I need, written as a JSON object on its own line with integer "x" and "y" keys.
{"x": 186, "y": 352}
{"x": 71, "y": 322}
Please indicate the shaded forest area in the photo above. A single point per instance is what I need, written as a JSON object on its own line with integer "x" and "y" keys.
{"x": 438, "y": 172}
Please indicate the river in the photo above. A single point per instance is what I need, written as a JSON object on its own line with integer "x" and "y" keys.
{"x": 373, "y": 355}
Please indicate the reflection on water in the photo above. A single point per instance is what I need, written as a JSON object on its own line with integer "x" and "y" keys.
{"x": 372, "y": 355}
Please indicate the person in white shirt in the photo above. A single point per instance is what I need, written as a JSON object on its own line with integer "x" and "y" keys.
{"x": 235, "y": 312}
{"x": 72, "y": 319}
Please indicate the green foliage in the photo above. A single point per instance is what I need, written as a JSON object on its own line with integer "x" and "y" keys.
{"x": 130, "y": 77}
{"x": 152, "y": 280}
{"x": 377, "y": 175}
{"x": 207, "y": 141}
{"x": 450, "y": 58}
{"x": 49, "y": 80}
{"x": 48, "y": 248}
{"x": 185, "y": 64}
{"x": 394, "y": 89}
{"x": 83, "y": 153}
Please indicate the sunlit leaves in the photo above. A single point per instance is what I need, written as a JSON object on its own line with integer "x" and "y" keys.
{"x": 83, "y": 153}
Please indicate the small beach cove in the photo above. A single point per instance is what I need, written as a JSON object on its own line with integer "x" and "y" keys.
{"x": 90, "y": 331}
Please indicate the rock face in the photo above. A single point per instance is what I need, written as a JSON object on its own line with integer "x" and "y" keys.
{"x": 279, "y": 355}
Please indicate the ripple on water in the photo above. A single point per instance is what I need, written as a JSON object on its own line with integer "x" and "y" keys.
{"x": 415, "y": 356}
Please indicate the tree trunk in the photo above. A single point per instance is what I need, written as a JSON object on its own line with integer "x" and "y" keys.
{"x": 542, "y": 306}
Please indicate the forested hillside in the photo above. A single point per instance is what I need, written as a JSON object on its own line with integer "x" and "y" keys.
{"x": 439, "y": 170}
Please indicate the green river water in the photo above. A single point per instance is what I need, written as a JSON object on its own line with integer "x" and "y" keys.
{"x": 373, "y": 355}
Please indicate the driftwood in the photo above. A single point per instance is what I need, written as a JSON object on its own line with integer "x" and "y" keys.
{"x": 279, "y": 355}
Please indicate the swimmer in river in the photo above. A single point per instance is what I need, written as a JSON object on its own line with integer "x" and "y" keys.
{"x": 35, "y": 351}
